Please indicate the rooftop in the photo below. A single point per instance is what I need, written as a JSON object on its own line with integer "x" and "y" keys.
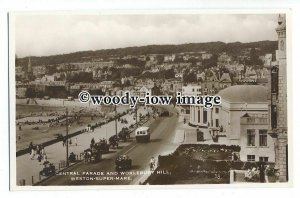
{"x": 245, "y": 93}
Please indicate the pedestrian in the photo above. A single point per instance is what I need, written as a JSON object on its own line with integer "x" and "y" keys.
{"x": 37, "y": 156}
{"x": 45, "y": 157}
{"x": 262, "y": 172}
{"x": 70, "y": 141}
{"x": 40, "y": 159}
{"x": 32, "y": 154}
{"x": 64, "y": 141}
{"x": 75, "y": 141}
{"x": 30, "y": 146}
{"x": 38, "y": 149}
{"x": 34, "y": 151}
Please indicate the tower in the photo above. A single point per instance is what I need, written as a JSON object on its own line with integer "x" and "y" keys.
{"x": 279, "y": 102}
{"x": 28, "y": 71}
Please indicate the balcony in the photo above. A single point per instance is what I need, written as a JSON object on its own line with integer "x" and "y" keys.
{"x": 254, "y": 120}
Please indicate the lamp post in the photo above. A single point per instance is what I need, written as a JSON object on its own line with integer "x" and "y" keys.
{"x": 67, "y": 129}
{"x": 136, "y": 115}
{"x": 67, "y": 142}
{"x": 116, "y": 121}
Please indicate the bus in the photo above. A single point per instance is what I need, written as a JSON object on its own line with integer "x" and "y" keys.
{"x": 142, "y": 134}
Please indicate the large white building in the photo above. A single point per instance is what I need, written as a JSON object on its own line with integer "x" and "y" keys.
{"x": 242, "y": 119}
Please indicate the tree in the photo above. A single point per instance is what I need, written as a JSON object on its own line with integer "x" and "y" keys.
{"x": 160, "y": 59}
{"x": 254, "y": 59}
{"x": 208, "y": 63}
{"x": 178, "y": 59}
{"x": 50, "y": 69}
{"x": 81, "y": 77}
{"x": 189, "y": 77}
{"x": 169, "y": 73}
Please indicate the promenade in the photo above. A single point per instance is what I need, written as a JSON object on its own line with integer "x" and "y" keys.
{"x": 28, "y": 169}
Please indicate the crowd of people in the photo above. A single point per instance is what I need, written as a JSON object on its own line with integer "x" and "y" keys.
{"x": 37, "y": 152}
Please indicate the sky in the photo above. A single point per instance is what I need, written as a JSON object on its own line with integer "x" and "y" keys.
{"x": 43, "y": 35}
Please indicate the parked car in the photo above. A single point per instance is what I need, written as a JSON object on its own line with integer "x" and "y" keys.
{"x": 48, "y": 170}
{"x": 123, "y": 162}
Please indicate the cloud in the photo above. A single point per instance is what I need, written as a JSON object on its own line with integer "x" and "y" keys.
{"x": 39, "y": 35}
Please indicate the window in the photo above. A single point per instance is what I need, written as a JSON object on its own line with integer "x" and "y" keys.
{"x": 204, "y": 116}
{"x": 194, "y": 114}
{"x": 217, "y": 122}
{"x": 274, "y": 116}
{"x": 274, "y": 80}
{"x": 217, "y": 110}
{"x": 262, "y": 137}
{"x": 251, "y": 120}
{"x": 250, "y": 137}
{"x": 250, "y": 158}
{"x": 199, "y": 116}
{"x": 263, "y": 159}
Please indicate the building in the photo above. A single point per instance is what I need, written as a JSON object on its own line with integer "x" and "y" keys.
{"x": 267, "y": 59}
{"x": 278, "y": 104}
{"x": 28, "y": 71}
{"x": 155, "y": 90}
{"x": 191, "y": 90}
{"x": 206, "y": 56}
{"x": 107, "y": 84}
{"x": 224, "y": 58}
{"x": 175, "y": 86}
{"x": 39, "y": 71}
{"x": 141, "y": 91}
{"x": 179, "y": 76}
{"x": 169, "y": 58}
{"x": 20, "y": 73}
{"x": 225, "y": 81}
{"x": 241, "y": 119}
{"x": 210, "y": 85}
{"x": 256, "y": 144}
{"x": 200, "y": 76}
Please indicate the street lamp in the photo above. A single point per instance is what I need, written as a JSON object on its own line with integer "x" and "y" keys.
{"x": 116, "y": 121}
{"x": 67, "y": 134}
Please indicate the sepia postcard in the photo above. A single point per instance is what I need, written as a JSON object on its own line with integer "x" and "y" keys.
{"x": 162, "y": 98}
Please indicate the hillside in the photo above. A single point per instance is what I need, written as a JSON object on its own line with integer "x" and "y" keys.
{"x": 212, "y": 47}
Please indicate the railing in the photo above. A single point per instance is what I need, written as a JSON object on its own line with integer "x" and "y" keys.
{"x": 254, "y": 120}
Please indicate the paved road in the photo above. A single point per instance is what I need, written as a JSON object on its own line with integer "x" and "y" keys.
{"x": 162, "y": 136}
{"x": 27, "y": 168}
